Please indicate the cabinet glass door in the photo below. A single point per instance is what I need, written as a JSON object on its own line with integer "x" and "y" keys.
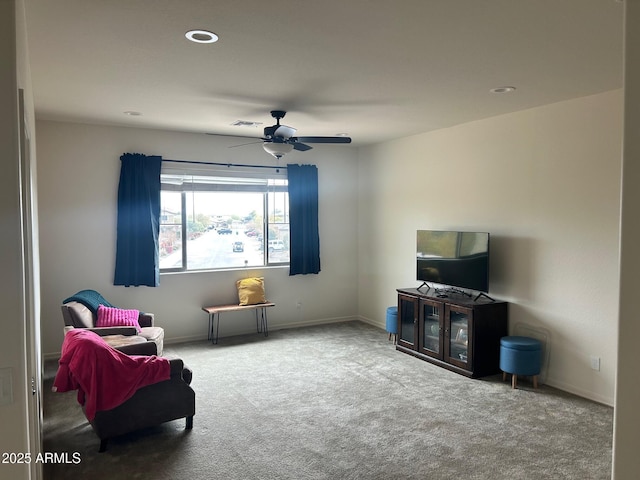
{"x": 408, "y": 314}
{"x": 430, "y": 329}
{"x": 459, "y": 331}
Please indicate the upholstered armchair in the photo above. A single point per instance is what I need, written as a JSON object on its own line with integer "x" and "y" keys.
{"x": 81, "y": 311}
{"x": 120, "y": 393}
{"x": 151, "y": 405}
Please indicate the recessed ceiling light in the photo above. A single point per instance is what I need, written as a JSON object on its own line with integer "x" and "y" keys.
{"x": 503, "y": 90}
{"x": 131, "y": 113}
{"x": 201, "y": 36}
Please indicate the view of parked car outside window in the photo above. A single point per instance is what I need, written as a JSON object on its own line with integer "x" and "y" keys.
{"x": 223, "y": 230}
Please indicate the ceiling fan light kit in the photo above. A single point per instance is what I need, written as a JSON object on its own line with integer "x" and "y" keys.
{"x": 278, "y": 150}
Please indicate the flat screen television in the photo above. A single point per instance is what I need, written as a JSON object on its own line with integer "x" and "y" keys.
{"x": 454, "y": 259}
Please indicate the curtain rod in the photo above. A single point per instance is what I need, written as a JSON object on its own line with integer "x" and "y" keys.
{"x": 224, "y": 164}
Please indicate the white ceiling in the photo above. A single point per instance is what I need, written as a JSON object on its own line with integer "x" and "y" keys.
{"x": 375, "y": 69}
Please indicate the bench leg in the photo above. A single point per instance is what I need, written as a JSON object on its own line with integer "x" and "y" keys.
{"x": 215, "y": 325}
{"x": 262, "y": 324}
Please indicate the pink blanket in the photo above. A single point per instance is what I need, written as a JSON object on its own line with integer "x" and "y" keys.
{"x": 104, "y": 376}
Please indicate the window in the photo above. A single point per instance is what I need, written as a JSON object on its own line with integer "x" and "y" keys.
{"x": 218, "y": 219}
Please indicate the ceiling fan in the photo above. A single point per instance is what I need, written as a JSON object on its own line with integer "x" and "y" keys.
{"x": 279, "y": 140}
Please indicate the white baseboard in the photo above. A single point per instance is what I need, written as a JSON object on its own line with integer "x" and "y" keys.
{"x": 311, "y": 323}
{"x": 569, "y": 388}
{"x": 51, "y": 356}
{"x": 373, "y": 323}
{"x": 272, "y": 327}
{"x": 192, "y": 338}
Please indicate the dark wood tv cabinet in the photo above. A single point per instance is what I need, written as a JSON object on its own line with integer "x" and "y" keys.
{"x": 454, "y": 332}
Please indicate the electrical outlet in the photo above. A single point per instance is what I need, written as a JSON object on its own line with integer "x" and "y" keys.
{"x": 595, "y": 363}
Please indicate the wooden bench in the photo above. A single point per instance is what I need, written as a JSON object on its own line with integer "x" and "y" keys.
{"x": 215, "y": 311}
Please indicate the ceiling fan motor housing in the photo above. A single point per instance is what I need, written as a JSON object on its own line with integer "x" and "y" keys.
{"x": 269, "y": 131}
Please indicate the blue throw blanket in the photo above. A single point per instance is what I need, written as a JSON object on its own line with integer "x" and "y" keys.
{"x": 90, "y": 299}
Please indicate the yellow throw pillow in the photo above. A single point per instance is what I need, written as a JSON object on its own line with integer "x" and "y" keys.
{"x": 251, "y": 291}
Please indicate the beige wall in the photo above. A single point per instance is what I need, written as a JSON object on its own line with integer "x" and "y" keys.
{"x": 626, "y": 461}
{"x": 545, "y": 183}
{"x": 78, "y": 170}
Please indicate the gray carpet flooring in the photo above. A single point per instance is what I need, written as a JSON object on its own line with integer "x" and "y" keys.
{"x": 339, "y": 402}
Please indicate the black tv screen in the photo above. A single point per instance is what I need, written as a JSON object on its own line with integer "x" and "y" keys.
{"x": 456, "y": 259}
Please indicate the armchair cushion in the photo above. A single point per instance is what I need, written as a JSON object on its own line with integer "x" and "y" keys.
{"x": 154, "y": 335}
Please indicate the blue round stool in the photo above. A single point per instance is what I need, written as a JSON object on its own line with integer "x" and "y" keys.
{"x": 520, "y": 356}
{"x": 392, "y": 323}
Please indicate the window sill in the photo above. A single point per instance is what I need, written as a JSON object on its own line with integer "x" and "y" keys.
{"x": 219, "y": 270}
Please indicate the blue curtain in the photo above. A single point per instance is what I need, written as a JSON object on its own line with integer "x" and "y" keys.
{"x": 137, "y": 260}
{"x": 303, "y": 219}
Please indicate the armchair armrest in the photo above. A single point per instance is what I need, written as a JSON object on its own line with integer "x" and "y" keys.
{"x": 102, "y": 331}
{"x": 146, "y": 319}
{"x": 180, "y": 370}
{"x": 176, "y": 366}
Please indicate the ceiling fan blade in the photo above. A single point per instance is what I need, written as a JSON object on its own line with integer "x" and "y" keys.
{"x": 323, "y": 139}
{"x": 301, "y": 147}
{"x": 243, "y": 144}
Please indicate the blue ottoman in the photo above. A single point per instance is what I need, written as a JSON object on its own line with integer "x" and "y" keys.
{"x": 392, "y": 323}
{"x": 520, "y": 356}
